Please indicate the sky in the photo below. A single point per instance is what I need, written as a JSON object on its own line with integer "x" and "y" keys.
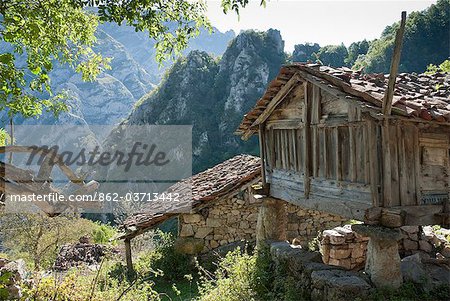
{"x": 319, "y": 21}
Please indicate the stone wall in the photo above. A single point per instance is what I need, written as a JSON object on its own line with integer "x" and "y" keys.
{"x": 434, "y": 243}
{"x": 234, "y": 219}
{"x": 343, "y": 247}
{"x": 224, "y": 222}
{"x": 313, "y": 280}
{"x": 304, "y": 225}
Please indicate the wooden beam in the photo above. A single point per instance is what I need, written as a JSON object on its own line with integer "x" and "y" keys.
{"x": 128, "y": 257}
{"x": 389, "y": 95}
{"x": 262, "y": 153}
{"x": 278, "y": 98}
{"x": 307, "y": 136}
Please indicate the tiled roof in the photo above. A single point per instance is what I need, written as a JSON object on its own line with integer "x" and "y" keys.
{"x": 209, "y": 185}
{"x": 421, "y": 96}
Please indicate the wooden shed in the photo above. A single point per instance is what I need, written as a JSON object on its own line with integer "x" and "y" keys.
{"x": 326, "y": 144}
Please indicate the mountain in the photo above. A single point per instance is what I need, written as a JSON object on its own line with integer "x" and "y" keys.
{"x": 213, "y": 94}
{"x": 134, "y": 72}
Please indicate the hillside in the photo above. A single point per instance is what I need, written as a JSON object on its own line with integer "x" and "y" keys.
{"x": 212, "y": 95}
{"x": 426, "y": 41}
{"x": 134, "y": 72}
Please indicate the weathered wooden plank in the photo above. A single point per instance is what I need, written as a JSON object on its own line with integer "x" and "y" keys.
{"x": 373, "y": 162}
{"x": 316, "y": 105}
{"x": 353, "y": 156}
{"x": 284, "y": 124}
{"x": 434, "y": 178}
{"x": 272, "y": 148}
{"x": 284, "y": 149}
{"x": 402, "y": 157}
{"x": 320, "y": 141}
{"x": 325, "y": 154}
{"x": 410, "y": 165}
{"x": 316, "y": 150}
{"x": 291, "y": 84}
{"x": 262, "y": 143}
{"x": 417, "y": 173}
{"x": 387, "y": 169}
{"x": 278, "y": 152}
{"x": 393, "y": 142}
{"x": 300, "y": 150}
{"x": 338, "y": 154}
{"x": 293, "y": 149}
{"x": 307, "y": 136}
{"x": 389, "y": 94}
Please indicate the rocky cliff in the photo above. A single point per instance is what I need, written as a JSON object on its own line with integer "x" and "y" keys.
{"x": 134, "y": 72}
{"x": 212, "y": 94}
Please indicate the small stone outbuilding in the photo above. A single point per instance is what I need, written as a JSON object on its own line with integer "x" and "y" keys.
{"x": 221, "y": 209}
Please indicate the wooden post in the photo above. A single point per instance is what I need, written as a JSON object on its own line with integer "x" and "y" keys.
{"x": 128, "y": 256}
{"x": 387, "y": 103}
{"x": 262, "y": 153}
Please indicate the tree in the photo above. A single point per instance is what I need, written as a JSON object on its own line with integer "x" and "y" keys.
{"x": 45, "y": 31}
{"x": 425, "y": 41}
{"x": 332, "y": 55}
{"x": 443, "y": 67}
{"x": 304, "y": 52}
{"x": 355, "y": 50}
{"x": 37, "y": 238}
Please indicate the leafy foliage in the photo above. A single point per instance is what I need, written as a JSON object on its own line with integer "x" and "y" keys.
{"x": 443, "y": 67}
{"x": 164, "y": 260}
{"x": 63, "y": 30}
{"x": 43, "y": 31}
{"x": 305, "y": 52}
{"x": 82, "y": 285}
{"x": 425, "y": 41}
{"x": 332, "y": 55}
{"x": 355, "y": 50}
{"x": 37, "y": 238}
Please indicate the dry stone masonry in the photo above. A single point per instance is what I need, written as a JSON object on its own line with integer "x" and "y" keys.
{"x": 235, "y": 219}
{"x": 227, "y": 221}
{"x": 343, "y": 247}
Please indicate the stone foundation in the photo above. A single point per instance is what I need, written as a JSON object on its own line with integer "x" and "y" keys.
{"x": 235, "y": 219}
{"x": 344, "y": 248}
{"x": 314, "y": 280}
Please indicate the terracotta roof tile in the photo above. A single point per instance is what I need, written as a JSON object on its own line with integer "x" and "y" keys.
{"x": 197, "y": 190}
{"x": 422, "y": 96}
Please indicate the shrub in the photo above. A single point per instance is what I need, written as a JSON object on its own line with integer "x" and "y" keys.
{"x": 233, "y": 279}
{"x": 103, "y": 233}
{"x": 37, "y": 238}
{"x": 164, "y": 260}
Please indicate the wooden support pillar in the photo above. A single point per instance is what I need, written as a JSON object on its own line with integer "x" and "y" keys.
{"x": 272, "y": 221}
{"x": 128, "y": 258}
{"x": 383, "y": 259}
{"x": 262, "y": 153}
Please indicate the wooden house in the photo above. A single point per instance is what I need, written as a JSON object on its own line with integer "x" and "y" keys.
{"x": 326, "y": 144}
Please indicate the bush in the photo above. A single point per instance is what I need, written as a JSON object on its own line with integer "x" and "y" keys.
{"x": 240, "y": 276}
{"x": 103, "y": 233}
{"x": 163, "y": 259}
{"x": 37, "y": 238}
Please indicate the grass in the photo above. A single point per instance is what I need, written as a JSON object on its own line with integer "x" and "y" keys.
{"x": 184, "y": 290}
